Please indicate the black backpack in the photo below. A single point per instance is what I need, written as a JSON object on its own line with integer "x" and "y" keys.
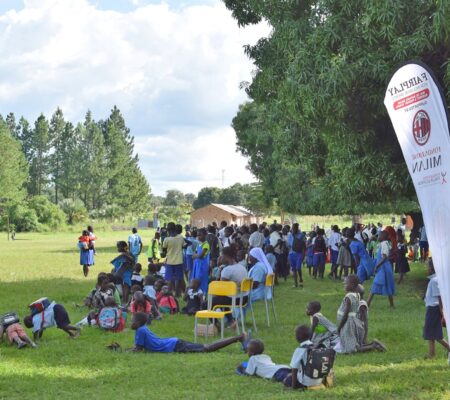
{"x": 298, "y": 245}
{"x": 9, "y": 319}
{"x": 319, "y": 362}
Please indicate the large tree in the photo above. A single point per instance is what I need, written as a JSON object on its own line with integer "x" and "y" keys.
{"x": 39, "y": 162}
{"x": 316, "y": 131}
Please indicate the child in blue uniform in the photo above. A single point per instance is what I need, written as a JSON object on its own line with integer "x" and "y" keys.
{"x": 146, "y": 340}
{"x": 383, "y": 283}
{"x": 200, "y": 270}
{"x": 363, "y": 262}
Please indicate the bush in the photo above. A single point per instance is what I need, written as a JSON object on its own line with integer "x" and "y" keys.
{"x": 74, "y": 209}
{"x": 24, "y": 219}
{"x": 48, "y": 214}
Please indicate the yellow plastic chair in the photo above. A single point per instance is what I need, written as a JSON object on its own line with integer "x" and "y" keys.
{"x": 217, "y": 288}
{"x": 270, "y": 281}
{"x": 246, "y": 290}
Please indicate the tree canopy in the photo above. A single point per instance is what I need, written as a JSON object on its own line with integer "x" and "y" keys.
{"x": 316, "y": 131}
{"x": 86, "y": 169}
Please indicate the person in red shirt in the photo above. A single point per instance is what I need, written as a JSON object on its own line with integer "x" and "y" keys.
{"x": 140, "y": 304}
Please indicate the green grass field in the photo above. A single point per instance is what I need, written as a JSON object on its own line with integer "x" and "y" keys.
{"x": 39, "y": 265}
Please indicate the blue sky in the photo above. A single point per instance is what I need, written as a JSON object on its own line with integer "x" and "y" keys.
{"x": 172, "y": 67}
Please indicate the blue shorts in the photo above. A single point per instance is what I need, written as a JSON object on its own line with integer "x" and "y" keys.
{"x": 319, "y": 259}
{"x": 295, "y": 261}
{"x": 334, "y": 256}
{"x": 174, "y": 272}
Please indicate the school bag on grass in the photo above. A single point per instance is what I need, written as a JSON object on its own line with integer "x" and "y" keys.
{"x": 319, "y": 362}
{"x": 109, "y": 318}
{"x": 39, "y": 305}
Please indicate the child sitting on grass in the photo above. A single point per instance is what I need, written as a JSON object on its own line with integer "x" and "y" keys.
{"x": 261, "y": 365}
{"x": 153, "y": 270}
{"x": 324, "y": 332}
{"x": 146, "y": 340}
{"x": 16, "y": 333}
{"x": 298, "y": 379}
{"x": 136, "y": 278}
{"x": 53, "y": 315}
{"x": 432, "y": 330}
{"x": 350, "y": 328}
{"x": 150, "y": 295}
{"x": 141, "y": 304}
{"x": 166, "y": 301}
{"x": 193, "y": 298}
{"x": 110, "y": 317}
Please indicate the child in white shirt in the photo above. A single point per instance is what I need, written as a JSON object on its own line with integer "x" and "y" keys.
{"x": 261, "y": 365}
{"x": 297, "y": 379}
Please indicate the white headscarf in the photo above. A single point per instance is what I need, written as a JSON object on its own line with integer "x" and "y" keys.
{"x": 257, "y": 253}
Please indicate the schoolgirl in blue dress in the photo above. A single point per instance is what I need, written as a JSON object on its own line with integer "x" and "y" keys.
{"x": 383, "y": 283}
{"x": 200, "y": 269}
{"x": 364, "y": 263}
{"x": 123, "y": 268}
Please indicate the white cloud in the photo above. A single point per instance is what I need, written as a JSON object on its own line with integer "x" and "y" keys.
{"x": 174, "y": 73}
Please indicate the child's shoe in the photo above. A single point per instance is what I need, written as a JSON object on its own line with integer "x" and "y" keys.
{"x": 21, "y": 345}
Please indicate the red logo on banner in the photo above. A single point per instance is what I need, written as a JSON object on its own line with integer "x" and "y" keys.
{"x": 421, "y": 127}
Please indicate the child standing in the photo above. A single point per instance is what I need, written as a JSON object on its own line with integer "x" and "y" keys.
{"x": 310, "y": 251}
{"x": 402, "y": 264}
{"x": 320, "y": 249}
{"x": 432, "y": 330}
{"x": 297, "y": 250}
{"x": 200, "y": 270}
{"x": 154, "y": 253}
{"x": 383, "y": 283}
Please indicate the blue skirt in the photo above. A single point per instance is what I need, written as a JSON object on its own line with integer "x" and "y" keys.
{"x": 334, "y": 256}
{"x": 200, "y": 271}
{"x": 384, "y": 283}
{"x": 87, "y": 257}
{"x": 365, "y": 269}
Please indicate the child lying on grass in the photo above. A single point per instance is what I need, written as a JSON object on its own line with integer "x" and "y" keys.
{"x": 261, "y": 365}
{"x": 16, "y": 333}
{"x": 53, "y": 315}
{"x": 146, "y": 340}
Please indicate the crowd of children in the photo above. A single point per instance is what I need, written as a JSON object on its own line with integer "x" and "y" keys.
{"x": 231, "y": 253}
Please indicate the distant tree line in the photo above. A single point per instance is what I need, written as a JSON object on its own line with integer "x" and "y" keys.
{"x": 54, "y": 172}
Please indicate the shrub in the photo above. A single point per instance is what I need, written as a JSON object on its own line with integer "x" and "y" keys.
{"x": 48, "y": 214}
{"x": 74, "y": 209}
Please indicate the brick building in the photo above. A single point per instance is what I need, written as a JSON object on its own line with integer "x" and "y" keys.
{"x": 220, "y": 212}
